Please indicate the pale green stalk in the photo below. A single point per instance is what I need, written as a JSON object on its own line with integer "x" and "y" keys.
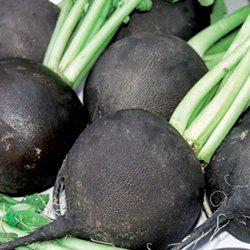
{"x": 99, "y": 9}
{"x": 6, "y": 198}
{"x": 239, "y": 105}
{"x": 224, "y": 80}
{"x": 213, "y": 59}
{"x": 213, "y": 33}
{"x": 184, "y": 110}
{"x": 223, "y": 44}
{"x": 5, "y": 228}
{"x": 78, "y": 244}
{"x": 207, "y": 120}
{"x": 64, "y": 11}
{"x": 73, "y": 71}
{"x": 91, "y": 63}
{"x": 243, "y": 35}
{"x": 65, "y": 33}
{"x": 50, "y": 246}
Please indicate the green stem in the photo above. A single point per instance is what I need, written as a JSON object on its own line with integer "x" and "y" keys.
{"x": 65, "y": 9}
{"x": 5, "y": 198}
{"x": 5, "y": 228}
{"x": 239, "y": 105}
{"x": 91, "y": 63}
{"x": 78, "y": 244}
{"x": 65, "y": 33}
{"x": 225, "y": 79}
{"x": 214, "y": 32}
{"x": 88, "y": 27}
{"x": 60, "y": 3}
{"x": 73, "y": 71}
{"x": 51, "y": 246}
{"x": 223, "y": 44}
{"x": 204, "y": 124}
{"x": 243, "y": 34}
{"x": 213, "y": 59}
{"x": 184, "y": 110}
{"x": 204, "y": 102}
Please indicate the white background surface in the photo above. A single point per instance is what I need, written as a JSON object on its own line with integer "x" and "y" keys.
{"x": 222, "y": 238}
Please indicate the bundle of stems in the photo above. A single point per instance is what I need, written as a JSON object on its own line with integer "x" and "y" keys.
{"x": 83, "y": 30}
{"x": 210, "y": 109}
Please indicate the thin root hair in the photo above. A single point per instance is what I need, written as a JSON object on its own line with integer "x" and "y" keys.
{"x": 201, "y": 237}
{"x": 243, "y": 220}
{"x": 236, "y": 186}
{"x": 218, "y": 226}
{"x": 223, "y": 201}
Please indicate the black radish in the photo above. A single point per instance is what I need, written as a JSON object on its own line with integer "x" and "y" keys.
{"x": 131, "y": 180}
{"x": 40, "y": 118}
{"x": 26, "y": 27}
{"x": 227, "y": 186}
{"x": 145, "y": 71}
{"x": 183, "y": 19}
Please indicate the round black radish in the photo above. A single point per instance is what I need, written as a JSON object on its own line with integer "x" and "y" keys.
{"x": 40, "y": 118}
{"x": 26, "y": 27}
{"x": 151, "y": 72}
{"x": 183, "y": 19}
{"x": 130, "y": 180}
{"x": 227, "y": 180}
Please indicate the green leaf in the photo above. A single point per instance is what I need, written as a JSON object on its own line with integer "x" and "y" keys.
{"x": 25, "y": 217}
{"x": 32, "y": 222}
{"x": 38, "y": 200}
{"x": 7, "y": 237}
{"x": 5, "y": 198}
{"x": 17, "y": 213}
{"x": 219, "y": 9}
{"x": 5, "y": 206}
